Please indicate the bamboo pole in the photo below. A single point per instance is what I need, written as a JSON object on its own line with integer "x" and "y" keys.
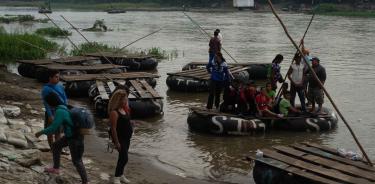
{"x": 87, "y": 40}
{"x": 122, "y": 48}
{"x": 65, "y": 35}
{"x": 205, "y": 32}
{"x": 32, "y": 45}
{"x": 322, "y": 86}
{"x": 300, "y": 44}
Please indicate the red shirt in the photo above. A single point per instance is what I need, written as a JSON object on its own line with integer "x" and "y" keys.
{"x": 262, "y": 102}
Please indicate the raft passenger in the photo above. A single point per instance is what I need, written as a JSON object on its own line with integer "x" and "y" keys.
{"x": 315, "y": 91}
{"x": 218, "y": 69}
{"x": 214, "y": 46}
{"x": 264, "y": 105}
{"x": 234, "y": 99}
{"x": 285, "y": 106}
{"x": 275, "y": 75}
{"x": 250, "y": 93}
{"x": 296, "y": 75}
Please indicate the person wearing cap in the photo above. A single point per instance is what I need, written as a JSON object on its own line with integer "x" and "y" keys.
{"x": 296, "y": 75}
{"x": 214, "y": 46}
{"x": 219, "y": 71}
{"x": 315, "y": 91}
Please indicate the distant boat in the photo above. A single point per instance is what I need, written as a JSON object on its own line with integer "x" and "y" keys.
{"x": 44, "y": 9}
{"x": 113, "y": 11}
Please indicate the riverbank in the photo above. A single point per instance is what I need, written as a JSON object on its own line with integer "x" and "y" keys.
{"x": 25, "y": 164}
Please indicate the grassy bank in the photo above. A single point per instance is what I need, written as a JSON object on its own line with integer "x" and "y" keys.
{"x": 53, "y": 32}
{"x": 90, "y": 48}
{"x": 20, "y": 18}
{"x": 24, "y": 46}
{"x": 340, "y": 10}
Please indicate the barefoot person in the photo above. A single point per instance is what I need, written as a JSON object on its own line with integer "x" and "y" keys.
{"x": 121, "y": 130}
{"x": 53, "y": 86}
{"x": 71, "y": 138}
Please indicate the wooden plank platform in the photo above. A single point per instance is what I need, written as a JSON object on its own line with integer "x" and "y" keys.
{"x": 202, "y": 74}
{"x": 64, "y": 60}
{"x": 119, "y": 55}
{"x": 119, "y": 76}
{"x": 97, "y": 67}
{"x": 317, "y": 163}
{"x": 140, "y": 89}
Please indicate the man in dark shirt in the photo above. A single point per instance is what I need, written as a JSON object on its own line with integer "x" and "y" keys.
{"x": 214, "y": 46}
{"x": 315, "y": 91}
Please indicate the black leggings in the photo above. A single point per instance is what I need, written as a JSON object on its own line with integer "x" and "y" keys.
{"x": 76, "y": 147}
{"x": 215, "y": 89}
{"x": 122, "y": 156}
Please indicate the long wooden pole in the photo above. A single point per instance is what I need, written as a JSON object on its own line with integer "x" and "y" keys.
{"x": 300, "y": 44}
{"x": 87, "y": 40}
{"x": 321, "y": 85}
{"x": 209, "y": 36}
{"x": 65, "y": 35}
{"x": 122, "y": 48}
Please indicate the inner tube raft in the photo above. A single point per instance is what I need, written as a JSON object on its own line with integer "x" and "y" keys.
{"x": 189, "y": 84}
{"x": 227, "y": 124}
{"x": 224, "y": 124}
{"x": 135, "y": 64}
{"x": 140, "y": 108}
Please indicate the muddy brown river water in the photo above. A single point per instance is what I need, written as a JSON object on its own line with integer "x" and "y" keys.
{"x": 344, "y": 45}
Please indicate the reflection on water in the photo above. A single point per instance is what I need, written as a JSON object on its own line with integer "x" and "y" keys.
{"x": 344, "y": 46}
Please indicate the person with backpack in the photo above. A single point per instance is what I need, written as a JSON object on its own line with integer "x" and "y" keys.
{"x": 53, "y": 86}
{"x": 71, "y": 138}
{"x": 121, "y": 131}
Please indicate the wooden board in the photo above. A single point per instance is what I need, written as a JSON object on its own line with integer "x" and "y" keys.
{"x": 117, "y": 55}
{"x": 202, "y": 74}
{"x": 102, "y": 91}
{"x": 344, "y": 168}
{"x": 318, "y": 165}
{"x": 330, "y": 173}
{"x": 142, "y": 90}
{"x": 294, "y": 170}
{"x": 150, "y": 89}
{"x": 119, "y": 76}
{"x": 64, "y": 60}
{"x": 84, "y": 68}
{"x": 318, "y": 152}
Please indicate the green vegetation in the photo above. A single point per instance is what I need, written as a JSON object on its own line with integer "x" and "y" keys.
{"x": 20, "y": 18}
{"x": 90, "y": 48}
{"x": 98, "y": 26}
{"x": 53, "y": 32}
{"x": 157, "y": 52}
{"x": 335, "y": 10}
{"x": 24, "y": 46}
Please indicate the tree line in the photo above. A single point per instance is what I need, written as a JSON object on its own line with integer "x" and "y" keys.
{"x": 207, "y": 3}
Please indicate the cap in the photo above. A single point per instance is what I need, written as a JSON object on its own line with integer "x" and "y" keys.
{"x": 315, "y": 58}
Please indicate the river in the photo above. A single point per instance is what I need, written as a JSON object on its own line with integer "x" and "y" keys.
{"x": 344, "y": 45}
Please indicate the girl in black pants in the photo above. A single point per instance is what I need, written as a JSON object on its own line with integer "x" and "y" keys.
{"x": 121, "y": 130}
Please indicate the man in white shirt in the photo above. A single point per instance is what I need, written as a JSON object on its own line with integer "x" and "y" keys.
{"x": 219, "y": 36}
{"x": 296, "y": 75}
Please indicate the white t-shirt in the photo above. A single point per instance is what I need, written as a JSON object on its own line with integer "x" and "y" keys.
{"x": 220, "y": 37}
{"x": 297, "y": 73}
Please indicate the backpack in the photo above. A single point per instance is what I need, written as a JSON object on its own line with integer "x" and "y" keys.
{"x": 82, "y": 119}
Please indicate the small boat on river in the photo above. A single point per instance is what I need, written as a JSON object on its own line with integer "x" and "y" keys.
{"x": 195, "y": 78}
{"x": 208, "y": 121}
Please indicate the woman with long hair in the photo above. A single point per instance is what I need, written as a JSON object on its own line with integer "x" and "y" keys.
{"x": 121, "y": 131}
{"x": 275, "y": 75}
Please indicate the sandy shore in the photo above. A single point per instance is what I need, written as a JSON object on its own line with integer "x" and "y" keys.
{"x": 100, "y": 164}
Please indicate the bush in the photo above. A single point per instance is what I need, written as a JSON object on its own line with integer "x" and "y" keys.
{"x": 24, "y": 46}
{"x": 53, "y": 32}
{"x": 16, "y": 18}
{"x": 325, "y": 8}
{"x": 90, "y": 48}
{"x": 157, "y": 52}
